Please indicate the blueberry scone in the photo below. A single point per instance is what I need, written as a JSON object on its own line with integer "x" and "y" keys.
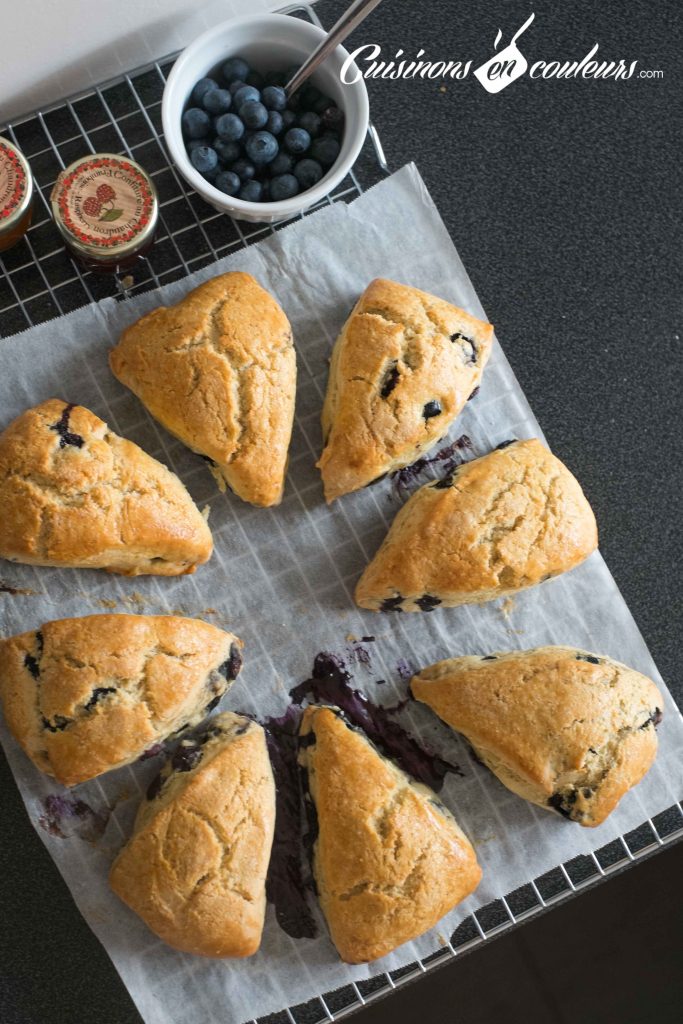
{"x": 568, "y": 730}
{"x": 195, "y": 867}
{"x": 496, "y": 525}
{"x": 84, "y": 696}
{"x": 389, "y": 860}
{"x": 402, "y": 368}
{"x": 218, "y": 371}
{"x": 75, "y": 494}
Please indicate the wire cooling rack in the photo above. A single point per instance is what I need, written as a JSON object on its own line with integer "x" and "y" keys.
{"x": 40, "y": 281}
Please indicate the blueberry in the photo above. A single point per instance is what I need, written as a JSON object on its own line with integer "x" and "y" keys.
{"x": 236, "y": 86}
{"x": 229, "y": 127}
{"x": 391, "y": 379}
{"x": 392, "y": 604}
{"x": 432, "y": 409}
{"x": 228, "y": 152}
{"x": 284, "y": 186}
{"x": 228, "y": 182}
{"x": 310, "y": 96}
{"x": 297, "y": 140}
{"x": 274, "y": 97}
{"x": 252, "y": 192}
{"x": 288, "y": 118}
{"x": 195, "y": 123}
{"x": 333, "y": 119}
{"x": 204, "y": 159}
{"x": 322, "y": 104}
{"x": 186, "y": 757}
{"x": 275, "y": 125}
{"x": 276, "y": 78}
{"x": 245, "y": 95}
{"x": 195, "y": 143}
{"x": 325, "y": 150}
{"x": 253, "y": 113}
{"x": 203, "y": 86}
{"x": 308, "y": 173}
{"x": 217, "y": 101}
{"x": 244, "y": 170}
{"x": 255, "y": 79}
{"x": 235, "y": 68}
{"x": 427, "y": 603}
{"x": 265, "y": 190}
{"x": 282, "y": 164}
{"x": 261, "y": 148}
{"x": 310, "y": 122}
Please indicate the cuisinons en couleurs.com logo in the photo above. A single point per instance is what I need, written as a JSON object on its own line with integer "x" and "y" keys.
{"x": 504, "y": 67}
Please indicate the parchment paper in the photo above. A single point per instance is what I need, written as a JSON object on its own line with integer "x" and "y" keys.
{"x": 282, "y": 580}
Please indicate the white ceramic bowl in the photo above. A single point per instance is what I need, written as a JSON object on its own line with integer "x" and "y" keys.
{"x": 268, "y": 42}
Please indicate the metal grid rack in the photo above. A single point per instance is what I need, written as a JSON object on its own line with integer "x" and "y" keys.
{"x": 39, "y": 281}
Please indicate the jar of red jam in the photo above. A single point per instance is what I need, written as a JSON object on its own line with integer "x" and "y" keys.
{"x": 106, "y": 208}
{"x": 16, "y": 195}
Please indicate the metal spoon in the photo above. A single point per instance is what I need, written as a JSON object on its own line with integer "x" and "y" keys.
{"x": 356, "y": 13}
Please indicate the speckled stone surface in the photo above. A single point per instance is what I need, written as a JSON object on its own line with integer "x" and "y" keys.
{"x": 562, "y": 199}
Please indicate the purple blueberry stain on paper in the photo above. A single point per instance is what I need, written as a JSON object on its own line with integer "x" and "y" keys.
{"x": 67, "y": 816}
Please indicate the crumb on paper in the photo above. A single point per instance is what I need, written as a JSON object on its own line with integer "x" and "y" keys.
{"x": 351, "y": 639}
{"x": 106, "y": 602}
{"x": 6, "y": 588}
{"x": 508, "y": 606}
{"x": 441, "y": 939}
{"x": 442, "y": 88}
{"x": 135, "y": 599}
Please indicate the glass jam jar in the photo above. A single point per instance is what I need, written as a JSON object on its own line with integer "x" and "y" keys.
{"x": 106, "y": 208}
{"x": 16, "y": 195}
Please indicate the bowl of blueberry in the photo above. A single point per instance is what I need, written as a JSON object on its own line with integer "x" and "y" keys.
{"x": 245, "y": 146}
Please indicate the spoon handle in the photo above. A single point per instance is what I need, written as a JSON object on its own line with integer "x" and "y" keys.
{"x": 358, "y": 10}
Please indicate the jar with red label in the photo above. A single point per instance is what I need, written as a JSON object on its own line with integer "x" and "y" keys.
{"x": 106, "y": 208}
{"x": 16, "y": 195}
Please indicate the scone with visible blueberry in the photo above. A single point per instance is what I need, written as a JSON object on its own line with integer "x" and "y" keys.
{"x": 218, "y": 370}
{"x": 75, "y": 494}
{"x": 83, "y": 696}
{"x": 496, "y": 525}
{"x": 195, "y": 867}
{"x": 402, "y": 368}
{"x": 568, "y": 730}
{"x": 388, "y": 859}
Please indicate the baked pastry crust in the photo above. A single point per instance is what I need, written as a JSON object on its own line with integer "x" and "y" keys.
{"x": 195, "y": 867}
{"x": 568, "y": 730}
{"x": 389, "y": 860}
{"x": 218, "y": 370}
{"x": 75, "y": 494}
{"x": 402, "y": 369}
{"x": 83, "y": 696}
{"x": 497, "y": 525}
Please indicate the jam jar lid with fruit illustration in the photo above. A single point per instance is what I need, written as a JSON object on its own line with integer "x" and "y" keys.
{"x": 16, "y": 194}
{"x": 106, "y": 208}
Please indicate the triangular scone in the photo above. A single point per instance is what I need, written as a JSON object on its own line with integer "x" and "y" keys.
{"x": 568, "y": 730}
{"x": 496, "y": 525}
{"x": 195, "y": 867}
{"x": 75, "y": 494}
{"x": 389, "y": 860}
{"x": 83, "y": 696}
{"x": 218, "y": 370}
{"x": 402, "y": 368}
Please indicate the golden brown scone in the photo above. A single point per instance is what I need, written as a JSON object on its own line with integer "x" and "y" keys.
{"x": 218, "y": 370}
{"x": 402, "y": 368}
{"x": 563, "y": 728}
{"x": 496, "y": 525}
{"x": 75, "y": 494}
{"x": 83, "y": 696}
{"x": 389, "y": 860}
{"x": 195, "y": 867}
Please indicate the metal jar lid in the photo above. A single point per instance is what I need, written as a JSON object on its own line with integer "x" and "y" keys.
{"x": 105, "y": 206}
{"x": 16, "y": 187}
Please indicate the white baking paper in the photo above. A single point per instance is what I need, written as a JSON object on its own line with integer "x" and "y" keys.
{"x": 282, "y": 579}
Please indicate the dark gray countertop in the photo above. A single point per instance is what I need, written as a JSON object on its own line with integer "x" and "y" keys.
{"x": 561, "y": 197}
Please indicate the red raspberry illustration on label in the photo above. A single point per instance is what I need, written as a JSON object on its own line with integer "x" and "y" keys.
{"x": 101, "y": 205}
{"x": 92, "y": 206}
